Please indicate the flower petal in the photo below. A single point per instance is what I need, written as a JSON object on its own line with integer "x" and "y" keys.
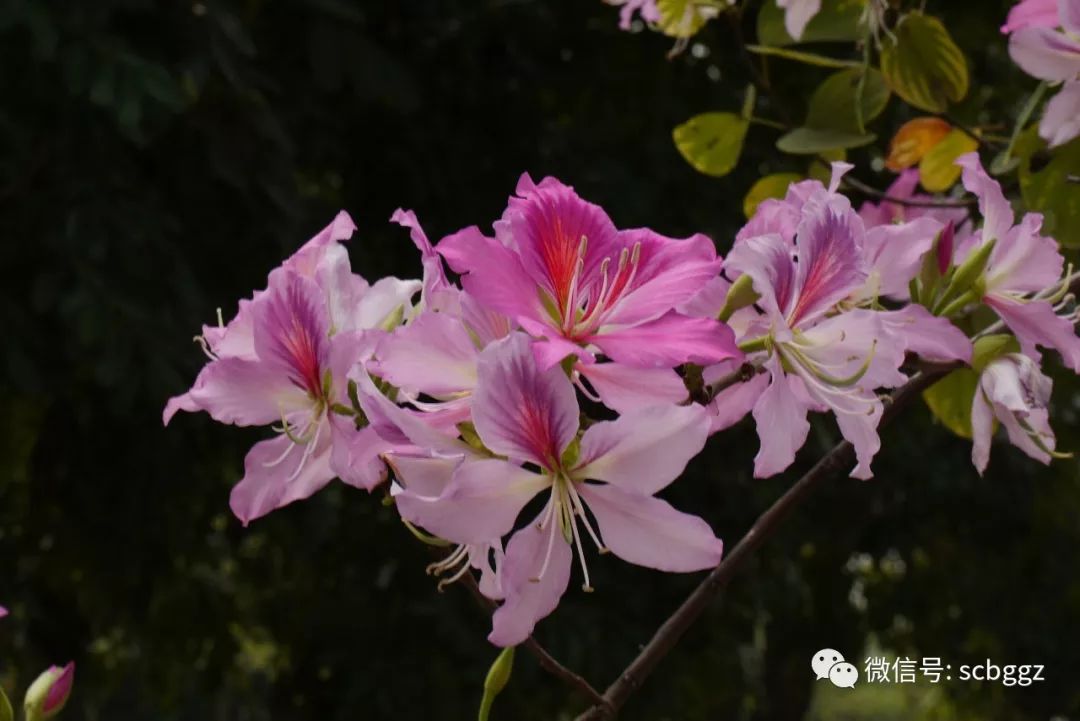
{"x": 648, "y": 532}
{"x": 624, "y": 388}
{"x": 1024, "y": 261}
{"x": 781, "y": 424}
{"x": 995, "y": 209}
{"x": 731, "y": 404}
{"x": 355, "y": 456}
{"x": 519, "y": 411}
{"x": 1035, "y": 323}
{"x": 668, "y": 341}
{"x": 241, "y": 392}
{"x": 481, "y": 502}
{"x": 271, "y": 482}
{"x": 1061, "y": 120}
{"x": 433, "y": 354}
{"x": 928, "y": 336}
{"x": 830, "y": 261}
{"x": 530, "y": 596}
{"x": 1045, "y": 53}
{"x": 860, "y": 430}
{"x": 643, "y": 450}
{"x": 896, "y": 252}
{"x": 1032, "y": 13}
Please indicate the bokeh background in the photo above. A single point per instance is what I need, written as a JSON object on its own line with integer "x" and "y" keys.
{"x": 158, "y": 158}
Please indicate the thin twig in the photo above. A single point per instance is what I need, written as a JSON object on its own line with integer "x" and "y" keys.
{"x": 545, "y": 659}
{"x": 865, "y": 189}
{"x": 665, "y": 638}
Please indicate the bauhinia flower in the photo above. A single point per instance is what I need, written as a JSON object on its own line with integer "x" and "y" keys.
{"x": 559, "y": 268}
{"x": 1013, "y": 390}
{"x": 650, "y": 13}
{"x": 49, "y": 693}
{"x": 1017, "y": 272}
{"x": 527, "y": 419}
{"x": 798, "y": 14}
{"x": 285, "y": 360}
{"x": 1045, "y": 42}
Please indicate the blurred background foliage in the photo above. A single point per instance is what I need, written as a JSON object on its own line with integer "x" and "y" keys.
{"x": 159, "y": 158}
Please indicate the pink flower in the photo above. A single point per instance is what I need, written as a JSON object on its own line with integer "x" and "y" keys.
{"x": 798, "y": 14}
{"x": 285, "y": 359}
{"x": 3, "y": 612}
{"x": 818, "y": 330}
{"x": 559, "y": 268}
{"x": 1013, "y": 390}
{"x": 1022, "y": 272}
{"x": 525, "y": 414}
{"x": 49, "y": 692}
{"x": 650, "y": 13}
{"x": 1061, "y": 120}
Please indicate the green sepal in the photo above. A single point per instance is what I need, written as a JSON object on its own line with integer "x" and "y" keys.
{"x": 497, "y": 678}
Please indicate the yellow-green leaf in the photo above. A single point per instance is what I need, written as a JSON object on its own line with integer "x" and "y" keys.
{"x": 832, "y": 106}
{"x": 812, "y": 141}
{"x": 680, "y": 18}
{"x": 6, "y": 712}
{"x": 1051, "y": 188}
{"x": 938, "y": 170}
{"x": 771, "y": 186}
{"x": 712, "y": 142}
{"x": 950, "y": 400}
{"x": 836, "y": 21}
{"x": 823, "y": 61}
{"x": 913, "y": 140}
{"x": 923, "y": 65}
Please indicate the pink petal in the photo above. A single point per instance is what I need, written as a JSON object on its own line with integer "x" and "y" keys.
{"x": 995, "y": 209}
{"x": 648, "y": 532}
{"x": 670, "y": 272}
{"x": 896, "y": 253}
{"x": 798, "y": 14}
{"x": 1035, "y": 323}
{"x": 241, "y": 392}
{"x": 552, "y": 350}
{"x": 643, "y": 450}
{"x": 426, "y": 476}
{"x": 270, "y": 483}
{"x": 781, "y": 424}
{"x": 306, "y": 260}
{"x": 982, "y": 431}
{"x": 1045, "y": 53}
{"x": 1024, "y": 261}
{"x": 3, "y": 612}
{"x": 401, "y": 426}
{"x": 829, "y": 251}
{"x": 730, "y": 405}
{"x": 355, "y": 456}
{"x": 481, "y": 502}
{"x": 434, "y": 355}
{"x": 1032, "y": 13}
{"x": 768, "y": 260}
{"x": 860, "y": 430}
{"x": 60, "y": 689}
{"x": 624, "y": 388}
{"x": 928, "y": 336}
{"x": 1069, "y": 14}
{"x": 546, "y": 224}
{"x": 668, "y": 341}
{"x": 519, "y": 411}
{"x": 1061, "y": 120}
{"x": 494, "y": 277}
{"x": 530, "y": 596}
{"x": 292, "y": 328}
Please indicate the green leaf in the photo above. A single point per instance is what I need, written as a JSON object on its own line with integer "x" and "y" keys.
{"x": 837, "y": 21}
{"x": 938, "y": 170}
{"x": 823, "y": 61}
{"x": 832, "y": 106}
{"x": 1048, "y": 188}
{"x": 771, "y": 186}
{"x": 497, "y": 678}
{"x": 811, "y": 141}
{"x": 680, "y": 18}
{"x": 950, "y": 400}
{"x": 991, "y": 347}
{"x": 923, "y": 65}
{"x": 6, "y": 712}
{"x": 712, "y": 142}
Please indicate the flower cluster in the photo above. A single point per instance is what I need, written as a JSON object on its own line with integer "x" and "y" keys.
{"x": 528, "y": 397}
{"x": 1044, "y": 40}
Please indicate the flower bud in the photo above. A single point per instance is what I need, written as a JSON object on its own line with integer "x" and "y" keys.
{"x": 3, "y": 612}
{"x": 49, "y": 693}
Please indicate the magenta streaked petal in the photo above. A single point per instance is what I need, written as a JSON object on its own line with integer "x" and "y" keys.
{"x": 292, "y": 331}
{"x": 830, "y": 262}
{"x": 60, "y": 689}
{"x": 1045, "y": 53}
{"x": 531, "y": 596}
{"x": 768, "y": 260}
{"x": 648, "y": 532}
{"x": 644, "y": 450}
{"x": 497, "y": 280}
{"x": 668, "y": 341}
{"x": 520, "y": 411}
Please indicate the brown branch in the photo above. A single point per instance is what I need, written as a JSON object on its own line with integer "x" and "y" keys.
{"x": 865, "y": 189}
{"x": 545, "y": 659}
{"x": 669, "y": 633}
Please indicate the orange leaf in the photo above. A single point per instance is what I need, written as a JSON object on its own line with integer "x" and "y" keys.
{"x": 913, "y": 140}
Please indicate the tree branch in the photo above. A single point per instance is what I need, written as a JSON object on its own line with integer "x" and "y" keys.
{"x": 545, "y": 659}
{"x": 665, "y": 638}
{"x": 865, "y": 189}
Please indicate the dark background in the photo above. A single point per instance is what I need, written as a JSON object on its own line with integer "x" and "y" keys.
{"x": 159, "y": 158}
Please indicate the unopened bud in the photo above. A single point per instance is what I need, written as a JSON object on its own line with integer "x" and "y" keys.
{"x": 49, "y": 693}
